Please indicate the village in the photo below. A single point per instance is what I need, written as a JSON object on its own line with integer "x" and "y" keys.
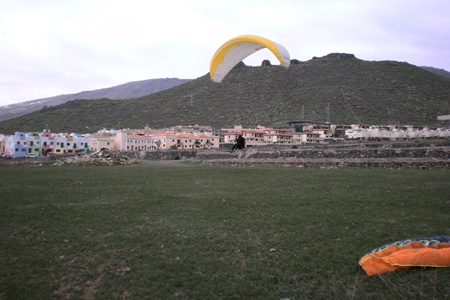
{"x": 46, "y": 143}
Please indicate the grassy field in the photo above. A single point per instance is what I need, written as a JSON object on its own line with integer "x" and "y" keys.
{"x": 202, "y": 232}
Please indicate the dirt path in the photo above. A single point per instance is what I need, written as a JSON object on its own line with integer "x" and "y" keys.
{"x": 164, "y": 163}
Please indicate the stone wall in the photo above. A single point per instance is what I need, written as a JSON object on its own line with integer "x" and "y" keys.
{"x": 363, "y": 157}
{"x": 440, "y": 153}
{"x": 163, "y": 154}
{"x": 332, "y": 163}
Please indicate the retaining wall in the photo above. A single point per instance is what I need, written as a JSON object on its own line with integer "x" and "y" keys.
{"x": 365, "y": 157}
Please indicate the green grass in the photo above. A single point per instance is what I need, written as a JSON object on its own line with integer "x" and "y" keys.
{"x": 204, "y": 232}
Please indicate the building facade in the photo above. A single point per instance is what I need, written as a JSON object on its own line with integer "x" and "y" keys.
{"x": 203, "y": 137}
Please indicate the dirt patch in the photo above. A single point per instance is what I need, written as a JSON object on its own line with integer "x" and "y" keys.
{"x": 165, "y": 163}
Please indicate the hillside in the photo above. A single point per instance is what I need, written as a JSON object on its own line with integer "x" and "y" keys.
{"x": 441, "y": 72}
{"x": 337, "y": 87}
{"x": 128, "y": 90}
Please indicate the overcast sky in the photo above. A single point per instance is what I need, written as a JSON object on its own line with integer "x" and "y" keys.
{"x": 54, "y": 47}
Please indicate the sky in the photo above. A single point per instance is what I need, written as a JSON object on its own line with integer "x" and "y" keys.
{"x": 55, "y": 47}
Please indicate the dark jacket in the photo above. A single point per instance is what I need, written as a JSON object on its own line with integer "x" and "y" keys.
{"x": 240, "y": 142}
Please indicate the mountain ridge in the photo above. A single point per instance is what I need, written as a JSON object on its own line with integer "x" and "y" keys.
{"x": 441, "y": 72}
{"x": 338, "y": 87}
{"x": 133, "y": 89}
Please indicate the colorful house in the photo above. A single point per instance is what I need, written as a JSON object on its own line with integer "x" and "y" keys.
{"x": 47, "y": 143}
{"x": 16, "y": 145}
{"x": 98, "y": 143}
{"x": 33, "y": 141}
{"x": 76, "y": 143}
{"x": 306, "y": 138}
{"x": 2, "y": 143}
{"x": 278, "y": 138}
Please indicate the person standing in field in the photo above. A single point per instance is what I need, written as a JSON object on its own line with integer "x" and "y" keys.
{"x": 240, "y": 143}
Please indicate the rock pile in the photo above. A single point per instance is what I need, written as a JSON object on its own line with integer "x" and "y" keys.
{"x": 102, "y": 157}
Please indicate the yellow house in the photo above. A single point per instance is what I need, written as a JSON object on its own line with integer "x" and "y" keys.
{"x": 120, "y": 140}
{"x": 165, "y": 140}
{"x": 140, "y": 142}
{"x": 98, "y": 143}
{"x": 197, "y": 141}
{"x": 278, "y": 138}
{"x": 306, "y": 137}
{"x": 253, "y": 137}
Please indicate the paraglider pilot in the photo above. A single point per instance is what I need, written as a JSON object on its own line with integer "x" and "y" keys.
{"x": 240, "y": 143}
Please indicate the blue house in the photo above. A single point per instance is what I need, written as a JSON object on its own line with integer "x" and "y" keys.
{"x": 16, "y": 145}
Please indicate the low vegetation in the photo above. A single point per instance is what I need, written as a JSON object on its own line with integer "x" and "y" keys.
{"x": 193, "y": 231}
{"x": 338, "y": 88}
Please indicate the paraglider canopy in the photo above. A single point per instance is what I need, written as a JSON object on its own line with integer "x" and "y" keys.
{"x": 425, "y": 252}
{"x": 238, "y": 48}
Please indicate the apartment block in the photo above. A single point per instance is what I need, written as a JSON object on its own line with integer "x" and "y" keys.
{"x": 204, "y": 137}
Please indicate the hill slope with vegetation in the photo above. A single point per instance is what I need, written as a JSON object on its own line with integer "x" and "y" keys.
{"x": 441, "y": 72}
{"x": 338, "y": 88}
{"x": 128, "y": 90}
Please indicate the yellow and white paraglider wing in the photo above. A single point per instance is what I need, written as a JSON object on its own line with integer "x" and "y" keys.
{"x": 237, "y": 49}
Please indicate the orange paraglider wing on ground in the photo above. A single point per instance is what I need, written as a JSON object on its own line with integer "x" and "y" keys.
{"x": 425, "y": 252}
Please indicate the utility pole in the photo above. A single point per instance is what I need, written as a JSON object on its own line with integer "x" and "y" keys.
{"x": 328, "y": 112}
{"x": 350, "y": 108}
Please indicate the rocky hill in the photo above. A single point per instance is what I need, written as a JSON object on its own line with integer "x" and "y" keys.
{"x": 441, "y": 72}
{"x": 338, "y": 88}
{"x": 128, "y": 90}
